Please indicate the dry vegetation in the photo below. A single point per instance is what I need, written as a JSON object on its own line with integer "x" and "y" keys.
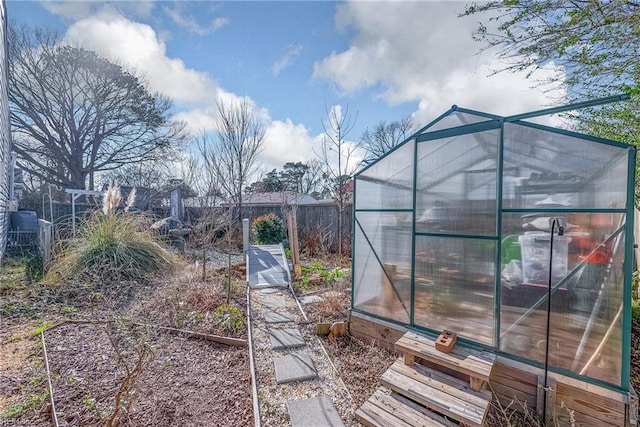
{"x": 109, "y": 363}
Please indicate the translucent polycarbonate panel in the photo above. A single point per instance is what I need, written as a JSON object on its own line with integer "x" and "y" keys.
{"x": 455, "y": 119}
{"x": 588, "y": 277}
{"x": 388, "y": 183}
{"x": 610, "y": 189}
{"x": 553, "y": 170}
{"x": 456, "y": 184}
{"x": 382, "y": 264}
{"x": 454, "y": 286}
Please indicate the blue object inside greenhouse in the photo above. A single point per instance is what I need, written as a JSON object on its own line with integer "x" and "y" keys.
{"x": 454, "y": 224}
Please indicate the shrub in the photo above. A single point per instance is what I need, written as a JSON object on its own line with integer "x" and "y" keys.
{"x": 111, "y": 246}
{"x": 635, "y": 308}
{"x": 230, "y": 318}
{"x": 268, "y": 229}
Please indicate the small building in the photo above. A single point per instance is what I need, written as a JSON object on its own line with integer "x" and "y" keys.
{"x": 518, "y": 238}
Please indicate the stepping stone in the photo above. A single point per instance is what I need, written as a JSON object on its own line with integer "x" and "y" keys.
{"x": 275, "y": 317}
{"x": 277, "y": 302}
{"x": 332, "y": 294}
{"x": 285, "y": 338}
{"x": 309, "y": 299}
{"x": 317, "y": 412}
{"x": 294, "y": 367}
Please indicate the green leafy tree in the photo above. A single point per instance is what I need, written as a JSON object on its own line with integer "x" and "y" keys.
{"x": 74, "y": 113}
{"x": 293, "y": 174}
{"x": 273, "y": 182}
{"x": 303, "y": 178}
{"x": 594, "y": 43}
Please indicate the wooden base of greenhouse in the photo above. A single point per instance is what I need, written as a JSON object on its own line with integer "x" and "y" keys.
{"x": 512, "y": 383}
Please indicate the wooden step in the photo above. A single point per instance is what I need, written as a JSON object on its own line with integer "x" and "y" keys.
{"x": 437, "y": 391}
{"x": 477, "y": 364}
{"x": 386, "y": 409}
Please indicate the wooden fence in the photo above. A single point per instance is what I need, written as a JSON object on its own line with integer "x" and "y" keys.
{"x": 314, "y": 221}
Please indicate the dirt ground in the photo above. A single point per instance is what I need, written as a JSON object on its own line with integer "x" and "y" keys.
{"x": 106, "y": 367}
{"x": 110, "y": 363}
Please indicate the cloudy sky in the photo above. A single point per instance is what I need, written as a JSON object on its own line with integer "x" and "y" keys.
{"x": 294, "y": 60}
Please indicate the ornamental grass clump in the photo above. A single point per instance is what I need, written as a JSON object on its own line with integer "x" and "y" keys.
{"x": 112, "y": 246}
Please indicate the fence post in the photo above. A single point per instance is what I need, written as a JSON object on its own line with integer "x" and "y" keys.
{"x": 245, "y": 235}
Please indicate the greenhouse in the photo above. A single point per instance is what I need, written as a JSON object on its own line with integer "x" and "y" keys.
{"x": 515, "y": 235}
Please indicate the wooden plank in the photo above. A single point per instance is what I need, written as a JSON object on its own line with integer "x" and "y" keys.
{"x": 376, "y": 331}
{"x": 374, "y": 416}
{"x": 513, "y": 387}
{"x": 546, "y": 403}
{"x": 471, "y": 362}
{"x": 208, "y": 337}
{"x": 433, "y": 398}
{"x": 442, "y": 382}
{"x": 519, "y": 381}
{"x": 476, "y": 384}
{"x": 590, "y": 404}
{"x": 407, "y": 410}
{"x": 632, "y": 406}
{"x": 509, "y": 398}
{"x": 591, "y": 389}
{"x": 606, "y": 411}
{"x": 438, "y": 401}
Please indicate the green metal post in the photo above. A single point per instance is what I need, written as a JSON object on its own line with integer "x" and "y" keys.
{"x": 413, "y": 234}
{"x": 628, "y": 272}
{"x": 497, "y": 296}
{"x": 353, "y": 240}
{"x": 568, "y": 107}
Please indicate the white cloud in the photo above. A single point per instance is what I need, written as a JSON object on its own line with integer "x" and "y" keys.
{"x": 433, "y": 62}
{"x": 292, "y": 51}
{"x": 137, "y": 45}
{"x": 181, "y": 17}
{"x": 285, "y": 142}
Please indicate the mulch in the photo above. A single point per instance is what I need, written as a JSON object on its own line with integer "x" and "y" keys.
{"x": 187, "y": 382}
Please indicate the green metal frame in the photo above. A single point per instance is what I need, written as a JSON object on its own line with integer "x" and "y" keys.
{"x": 496, "y": 122}
{"x": 628, "y": 272}
{"x": 413, "y": 231}
{"x": 497, "y": 296}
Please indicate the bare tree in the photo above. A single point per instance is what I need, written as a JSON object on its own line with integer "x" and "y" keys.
{"x": 313, "y": 177}
{"x": 74, "y": 113}
{"x": 337, "y": 155}
{"x": 384, "y": 137}
{"x": 150, "y": 175}
{"x": 205, "y": 165}
{"x": 239, "y": 141}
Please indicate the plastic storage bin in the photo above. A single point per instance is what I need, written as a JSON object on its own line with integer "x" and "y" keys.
{"x": 24, "y": 221}
{"x": 535, "y": 248}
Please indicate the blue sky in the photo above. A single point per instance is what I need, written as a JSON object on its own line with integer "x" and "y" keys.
{"x": 293, "y": 60}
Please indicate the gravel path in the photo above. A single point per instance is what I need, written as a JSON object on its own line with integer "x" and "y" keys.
{"x": 273, "y": 397}
{"x": 220, "y": 259}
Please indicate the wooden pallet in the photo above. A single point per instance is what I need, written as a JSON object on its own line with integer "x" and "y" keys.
{"x": 388, "y": 409}
{"x": 417, "y": 395}
{"x": 476, "y": 364}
